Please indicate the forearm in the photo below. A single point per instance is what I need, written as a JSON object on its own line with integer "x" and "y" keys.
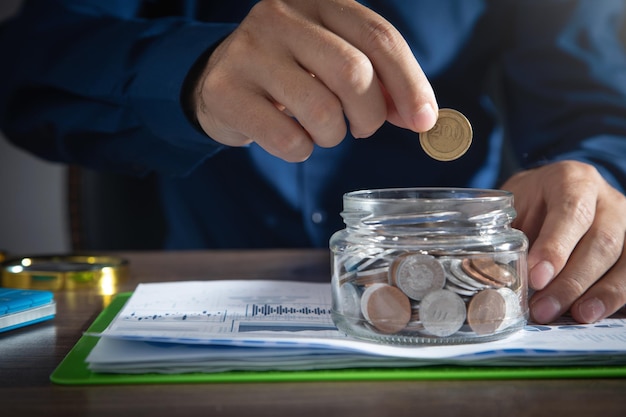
{"x": 104, "y": 90}
{"x": 566, "y": 85}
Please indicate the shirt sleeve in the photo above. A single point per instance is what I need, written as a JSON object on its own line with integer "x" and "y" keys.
{"x": 565, "y": 66}
{"x": 93, "y": 84}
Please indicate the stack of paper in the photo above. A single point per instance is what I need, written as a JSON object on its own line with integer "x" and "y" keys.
{"x": 216, "y": 326}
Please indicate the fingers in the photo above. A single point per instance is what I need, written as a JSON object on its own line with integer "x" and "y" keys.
{"x": 350, "y": 76}
{"x": 328, "y": 78}
{"x": 305, "y": 98}
{"x": 277, "y": 132}
{"x": 414, "y": 103}
{"x": 604, "y": 298}
{"x": 592, "y": 285}
{"x": 567, "y": 217}
{"x": 294, "y": 71}
{"x": 577, "y": 259}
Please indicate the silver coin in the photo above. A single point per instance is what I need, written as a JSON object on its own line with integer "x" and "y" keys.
{"x": 352, "y": 260}
{"x": 349, "y": 302}
{"x": 379, "y": 260}
{"x": 346, "y": 277}
{"x": 372, "y": 276}
{"x": 506, "y": 258}
{"x": 459, "y": 290}
{"x": 442, "y": 313}
{"x": 417, "y": 274}
{"x": 457, "y": 282}
{"x": 513, "y": 308}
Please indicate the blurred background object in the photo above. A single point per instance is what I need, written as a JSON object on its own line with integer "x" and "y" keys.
{"x": 33, "y": 209}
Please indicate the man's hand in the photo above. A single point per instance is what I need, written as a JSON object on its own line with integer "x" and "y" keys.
{"x": 294, "y": 70}
{"x": 576, "y": 223}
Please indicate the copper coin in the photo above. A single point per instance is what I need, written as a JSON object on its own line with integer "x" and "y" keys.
{"x": 386, "y": 308}
{"x": 468, "y": 268}
{"x": 489, "y": 268}
{"x": 451, "y": 279}
{"x": 486, "y": 312}
{"x": 457, "y": 271}
{"x": 442, "y": 313}
{"x": 450, "y": 138}
{"x": 417, "y": 274}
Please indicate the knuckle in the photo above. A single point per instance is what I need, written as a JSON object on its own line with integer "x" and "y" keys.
{"x": 581, "y": 207}
{"x": 268, "y": 9}
{"x": 356, "y": 71}
{"x": 572, "y": 287}
{"x": 326, "y": 122}
{"x": 382, "y": 36}
{"x": 579, "y": 173}
{"x": 557, "y": 253}
{"x": 323, "y": 110}
{"x": 288, "y": 146}
{"x": 618, "y": 290}
{"x": 608, "y": 244}
{"x": 216, "y": 84}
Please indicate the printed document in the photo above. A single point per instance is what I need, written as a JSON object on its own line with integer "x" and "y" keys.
{"x": 216, "y": 326}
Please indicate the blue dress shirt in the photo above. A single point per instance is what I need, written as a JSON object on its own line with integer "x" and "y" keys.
{"x": 98, "y": 83}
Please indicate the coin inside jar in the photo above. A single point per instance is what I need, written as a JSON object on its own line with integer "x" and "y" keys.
{"x": 450, "y": 138}
{"x": 350, "y": 300}
{"x": 417, "y": 274}
{"x": 468, "y": 268}
{"x": 486, "y": 311}
{"x": 386, "y": 308}
{"x": 442, "y": 313}
{"x": 489, "y": 268}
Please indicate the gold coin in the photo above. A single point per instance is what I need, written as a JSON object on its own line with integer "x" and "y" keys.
{"x": 450, "y": 138}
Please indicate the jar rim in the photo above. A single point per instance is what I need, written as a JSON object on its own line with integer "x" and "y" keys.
{"x": 428, "y": 194}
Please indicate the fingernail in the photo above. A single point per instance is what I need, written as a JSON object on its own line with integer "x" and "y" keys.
{"x": 541, "y": 275}
{"x": 545, "y": 309}
{"x": 592, "y": 310}
{"x": 425, "y": 118}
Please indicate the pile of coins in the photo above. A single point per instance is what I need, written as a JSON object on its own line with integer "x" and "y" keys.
{"x": 398, "y": 292}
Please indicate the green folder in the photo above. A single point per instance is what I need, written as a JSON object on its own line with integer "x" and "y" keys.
{"x": 73, "y": 369}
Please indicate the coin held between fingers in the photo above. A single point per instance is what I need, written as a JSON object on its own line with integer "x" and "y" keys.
{"x": 450, "y": 138}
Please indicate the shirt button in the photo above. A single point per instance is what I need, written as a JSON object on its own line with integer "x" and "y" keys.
{"x": 317, "y": 217}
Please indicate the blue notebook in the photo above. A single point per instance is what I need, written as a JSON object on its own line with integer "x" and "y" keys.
{"x": 19, "y": 307}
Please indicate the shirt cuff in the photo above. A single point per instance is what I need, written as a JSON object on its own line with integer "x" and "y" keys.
{"x": 155, "y": 93}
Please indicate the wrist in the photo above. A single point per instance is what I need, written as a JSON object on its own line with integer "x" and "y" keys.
{"x": 190, "y": 87}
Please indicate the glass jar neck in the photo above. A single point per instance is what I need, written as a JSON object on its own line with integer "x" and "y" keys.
{"x": 418, "y": 211}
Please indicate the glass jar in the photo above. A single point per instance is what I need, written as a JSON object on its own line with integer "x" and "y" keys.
{"x": 429, "y": 266}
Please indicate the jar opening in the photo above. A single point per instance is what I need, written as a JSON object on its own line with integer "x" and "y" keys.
{"x": 428, "y": 208}
{"x": 428, "y": 194}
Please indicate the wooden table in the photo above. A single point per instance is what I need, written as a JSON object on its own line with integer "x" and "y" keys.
{"x": 29, "y": 355}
